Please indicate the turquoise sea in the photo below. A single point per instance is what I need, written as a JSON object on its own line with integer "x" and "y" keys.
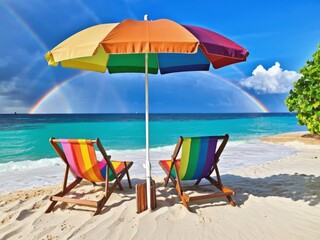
{"x": 24, "y": 146}
{"x": 25, "y": 137}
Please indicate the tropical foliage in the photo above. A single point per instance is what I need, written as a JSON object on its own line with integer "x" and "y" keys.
{"x": 305, "y": 97}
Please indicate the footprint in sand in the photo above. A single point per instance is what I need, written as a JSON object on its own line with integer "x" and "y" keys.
{"x": 23, "y": 214}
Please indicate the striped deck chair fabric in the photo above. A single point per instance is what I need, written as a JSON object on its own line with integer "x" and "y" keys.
{"x": 199, "y": 159}
{"x": 81, "y": 160}
{"x": 81, "y": 157}
{"x": 196, "y": 158}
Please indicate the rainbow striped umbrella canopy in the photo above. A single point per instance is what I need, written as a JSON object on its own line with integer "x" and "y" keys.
{"x": 146, "y": 47}
{"x": 121, "y": 47}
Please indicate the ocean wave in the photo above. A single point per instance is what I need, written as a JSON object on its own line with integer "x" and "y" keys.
{"x": 29, "y": 164}
{"x": 233, "y": 149}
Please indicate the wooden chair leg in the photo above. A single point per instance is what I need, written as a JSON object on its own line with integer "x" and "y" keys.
{"x": 51, "y": 207}
{"x": 109, "y": 189}
{"x": 94, "y": 184}
{"x": 127, "y": 173}
{"x": 169, "y": 176}
{"x": 166, "y": 181}
{"x": 183, "y": 196}
{"x": 101, "y": 204}
{"x": 222, "y": 189}
{"x": 198, "y": 181}
{"x": 66, "y": 189}
{"x": 232, "y": 203}
{"x": 118, "y": 180}
{"x": 108, "y": 193}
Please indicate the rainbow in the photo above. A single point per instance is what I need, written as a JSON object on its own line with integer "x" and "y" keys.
{"x": 46, "y": 96}
{"x": 7, "y": 8}
{"x": 249, "y": 96}
{"x": 58, "y": 87}
{"x": 55, "y": 89}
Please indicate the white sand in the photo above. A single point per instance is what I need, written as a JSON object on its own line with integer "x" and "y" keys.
{"x": 276, "y": 200}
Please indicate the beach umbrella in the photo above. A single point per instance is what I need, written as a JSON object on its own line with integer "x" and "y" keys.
{"x": 147, "y": 47}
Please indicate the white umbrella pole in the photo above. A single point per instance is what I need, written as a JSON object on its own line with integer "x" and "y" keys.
{"x": 148, "y": 165}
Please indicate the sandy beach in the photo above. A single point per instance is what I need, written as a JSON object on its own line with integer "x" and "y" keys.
{"x": 275, "y": 200}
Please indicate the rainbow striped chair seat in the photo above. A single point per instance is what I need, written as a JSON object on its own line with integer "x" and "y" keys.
{"x": 199, "y": 159}
{"x": 80, "y": 158}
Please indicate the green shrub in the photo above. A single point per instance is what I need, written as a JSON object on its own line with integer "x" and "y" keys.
{"x": 305, "y": 96}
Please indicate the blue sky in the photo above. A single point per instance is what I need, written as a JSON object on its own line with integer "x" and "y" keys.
{"x": 280, "y": 36}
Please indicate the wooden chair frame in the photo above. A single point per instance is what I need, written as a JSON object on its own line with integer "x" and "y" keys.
{"x": 109, "y": 188}
{"x": 185, "y": 198}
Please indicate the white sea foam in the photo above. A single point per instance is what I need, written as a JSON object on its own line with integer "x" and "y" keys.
{"x": 27, "y": 165}
{"x": 28, "y": 174}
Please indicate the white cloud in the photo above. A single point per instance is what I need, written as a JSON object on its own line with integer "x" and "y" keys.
{"x": 273, "y": 80}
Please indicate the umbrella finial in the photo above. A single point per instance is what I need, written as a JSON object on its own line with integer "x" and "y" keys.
{"x": 146, "y": 17}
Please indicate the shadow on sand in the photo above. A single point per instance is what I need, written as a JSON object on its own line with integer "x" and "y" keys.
{"x": 296, "y": 187}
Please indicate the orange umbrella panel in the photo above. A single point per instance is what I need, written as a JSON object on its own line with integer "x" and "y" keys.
{"x": 160, "y": 36}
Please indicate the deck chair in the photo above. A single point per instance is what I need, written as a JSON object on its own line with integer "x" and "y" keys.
{"x": 80, "y": 158}
{"x": 199, "y": 159}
